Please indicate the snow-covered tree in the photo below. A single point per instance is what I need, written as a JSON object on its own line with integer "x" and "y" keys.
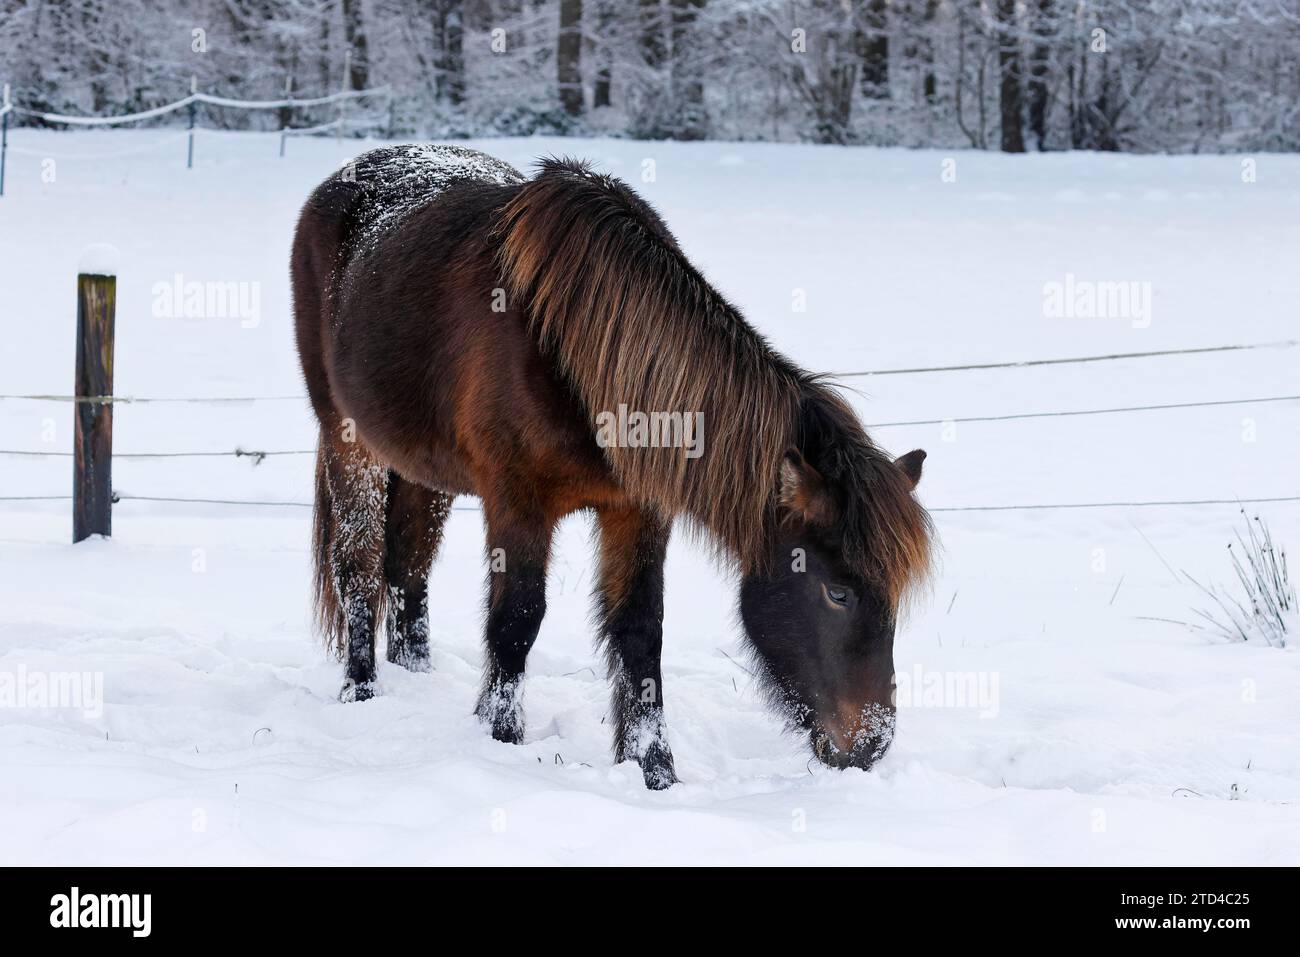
{"x": 1135, "y": 75}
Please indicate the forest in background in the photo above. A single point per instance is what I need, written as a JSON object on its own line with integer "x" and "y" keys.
{"x": 1014, "y": 75}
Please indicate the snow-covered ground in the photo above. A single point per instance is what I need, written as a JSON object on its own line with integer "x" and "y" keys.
{"x": 1107, "y": 736}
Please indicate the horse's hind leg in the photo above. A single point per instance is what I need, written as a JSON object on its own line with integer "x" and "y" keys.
{"x": 351, "y": 486}
{"x": 519, "y": 545}
{"x": 413, "y": 533}
{"x": 630, "y": 608}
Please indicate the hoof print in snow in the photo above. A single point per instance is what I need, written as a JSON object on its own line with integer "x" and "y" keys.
{"x": 356, "y": 692}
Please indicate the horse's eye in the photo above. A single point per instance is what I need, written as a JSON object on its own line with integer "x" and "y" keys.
{"x": 837, "y": 594}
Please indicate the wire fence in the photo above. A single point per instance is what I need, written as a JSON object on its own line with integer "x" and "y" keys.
{"x": 1010, "y": 364}
{"x": 342, "y": 122}
{"x": 257, "y": 456}
{"x": 1031, "y": 507}
{"x": 132, "y": 399}
{"x": 1115, "y": 410}
{"x": 69, "y": 119}
{"x": 1028, "y": 363}
{"x": 190, "y": 104}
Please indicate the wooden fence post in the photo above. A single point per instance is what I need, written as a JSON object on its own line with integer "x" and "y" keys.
{"x": 92, "y": 461}
{"x": 4, "y": 136}
{"x": 193, "y": 111}
{"x": 286, "y": 113}
{"x": 347, "y": 85}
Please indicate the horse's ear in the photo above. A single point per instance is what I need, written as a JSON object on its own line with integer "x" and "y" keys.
{"x": 803, "y": 492}
{"x": 910, "y": 465}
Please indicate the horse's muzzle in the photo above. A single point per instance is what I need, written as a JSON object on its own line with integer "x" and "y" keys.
{"x": 854, "y": 739}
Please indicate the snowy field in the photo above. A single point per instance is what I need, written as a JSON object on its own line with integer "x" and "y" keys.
{"x": 1108, "y": 736}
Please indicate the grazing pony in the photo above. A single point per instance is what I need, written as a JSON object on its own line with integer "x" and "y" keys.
{"x": 545, "y": 345}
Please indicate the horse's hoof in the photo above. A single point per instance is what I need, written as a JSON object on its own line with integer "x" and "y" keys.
{"x": 506, "y": 725}
{"x": 658, "y": 780}
{"x": 508, "y": 735}
{"x": 411, "y": 657}
{"x": 657, "y": 768}
{"x": 356, "y": 692}
{"x": 499, "y": 708}
{"x": 508, "y": 728}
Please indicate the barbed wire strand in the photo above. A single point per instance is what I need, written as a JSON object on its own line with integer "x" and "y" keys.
{"x": 1075, "y": 412}
{"x": 126, "y": 497}
{"x": 1017, "y": 364}
{"x": 1147, "y": 504}
{"x": 256, "y": 454}
{"x": 259, "y": 454}
{"x": 1026, "y": 363}
{"x": 1036, "y": 506}
{"x": 143, "y": 400}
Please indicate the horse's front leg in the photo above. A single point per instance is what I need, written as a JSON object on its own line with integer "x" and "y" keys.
{"x": 519, "y": 545}
{"x": 630, "y": 608}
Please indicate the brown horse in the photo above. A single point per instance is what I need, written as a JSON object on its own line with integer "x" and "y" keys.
{"x": 545, "y": 345}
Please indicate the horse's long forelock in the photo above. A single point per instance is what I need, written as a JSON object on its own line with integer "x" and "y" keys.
{"x": 888, "y": 536}
{"x": 630, "y": 322}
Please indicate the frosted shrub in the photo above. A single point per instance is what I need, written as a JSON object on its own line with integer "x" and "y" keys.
{"x": 1265, "y": 606}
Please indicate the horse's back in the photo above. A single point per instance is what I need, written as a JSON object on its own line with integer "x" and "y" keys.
{"x": 400, "y": 322}
{"x": 379, "y": 189}
{"x": 346, "y": 219}
{"x": 374, "y": 194}
{"x": 395, "y": 182}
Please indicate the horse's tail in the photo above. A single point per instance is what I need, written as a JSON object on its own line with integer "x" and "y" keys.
{"x": 318, "y": 246}
{"x": 330, "y": 621}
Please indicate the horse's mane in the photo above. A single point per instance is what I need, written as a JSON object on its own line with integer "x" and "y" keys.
{"x": 630, "y": 321}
